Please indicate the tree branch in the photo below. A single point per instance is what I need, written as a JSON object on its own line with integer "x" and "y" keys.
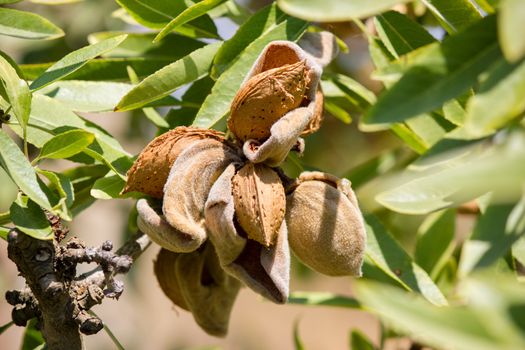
{"x": 55, "y": 295}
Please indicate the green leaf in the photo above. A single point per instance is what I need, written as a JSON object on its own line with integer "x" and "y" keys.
{"x": 461, "y": 328}
{"x": 30, "y": 218}
{"x": 4, "y": 231}
{"x": 66, "y": 144}
{"x": 400, "y": 34}
{"x": 500, "y": 170}
{"x": 454, "y": 15}
{"x": 26, "y": 25}
{"x": 7, "y": 325}
{"x": 390, "y": 257}
{"x": 50, "y": 118}
{"x": 168, "y": 79}
{"x": 499, "y": 99}
{"x": 359, "y": 341}
{"x": 261, "y": 22}
{"x": 172, "y": 47}
{"x": 88, "y": 96}
{"x": 17, "y": 91}
{"x": 113, "y": 69}
{"x": 156, "y": 14}
{"x": 496, "y": 231}
{"x": 510, "y": 26}
{"x": 63, "y": 185}
{"x": 74, "y": 61}
{"x": 435, "y": 74}
{"x": 33, "y": 338}
{"x": 108, "y": 187}
{"x": 20, "y": 171}
{"x": 338, "y": 112}
{"x": 150, "y": 113}
{"x": 435, "y": 241}
{"x": 192, "y": 12}
{"x": 298, "y": 343}
{"x": 334, "y": 10}
{"x": 217, "y": 104}
{"x": 322, "y": 299}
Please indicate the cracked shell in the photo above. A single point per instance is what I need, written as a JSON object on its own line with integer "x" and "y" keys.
{"x": 265, "y": 98}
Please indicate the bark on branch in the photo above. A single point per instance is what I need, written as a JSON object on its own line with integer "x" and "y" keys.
{"x": 55, "y": 295}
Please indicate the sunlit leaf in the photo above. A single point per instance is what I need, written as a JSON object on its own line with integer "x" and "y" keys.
{"x": 435, "y": 74}
{"x": 499, "y": 100}
{"x": 454, "y": 15}
{"x": 334, "y": 10}
{"x": 30, "y": 218}
{"x": 74, "y": 61}
{"x": 192, "y": 12}
{"x": 16, "y": 90}
{"x": 510, "y": 27}
{"x": 27, "y": 25}
{"x": 20, "y": 171}
{"x": 66, "y": 144}
{"x": 168, "y": 79}
{"x": 390, "y": 257}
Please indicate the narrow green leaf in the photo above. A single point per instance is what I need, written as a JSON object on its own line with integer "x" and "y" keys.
{"x": 298, "y": 343}
{"x": 173, "y": 46}
{"x": 62, "y": 184}
{"x": 156, "y": 14}
{"x": 30, "y": 218}
{"x": 499, "y": 100}
{"x": 390, "y": 257}
{"x": 408, "y": 136}
{"x": 4, "y": 231}
{"x": 66, "y": 144}
{"x": 108, "y": 187}
{"x": 168, "y": 79}
{"x": 27, "y": 25}
{"x": 217, "y": 104}
{"x": 33, "y": 338}
{"x": 17, "y": 91}
{"x": 74, "y": 61}
{"x": 334, "y": 10}
{"x": 103, "y": 69}
{"x": 435, "y": 241}
{"x": 6, "y": 326}
{"x": 500, "y": 170}
{"x": 255, "y": 26}
{"x": 322, "y": 299}
{"x": 359, "y": 341}
{"x": 150, "y": 113}
{"x": 510, "y": 26}
{"x": 50, "y": 118}
{"x": 336, "y": 111}
{"x": 496, "y": 231}
{"x": 427, "y": 128}
{"x": 454, "y": 15}
{"x": 20, "y": 171}
{"x": 187, "y": 15}
{"x": 435, "y": 74}
{"x": 461, "y": 328}
{"x": 400, "y": 34}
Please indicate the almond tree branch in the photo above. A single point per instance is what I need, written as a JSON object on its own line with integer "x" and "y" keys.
{"x": 55, "y": 295}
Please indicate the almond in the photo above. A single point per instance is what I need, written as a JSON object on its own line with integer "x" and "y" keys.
{"x": 150, "y": 171}
{"x": 265, "y": 98}
{"x": 259, "y": 201}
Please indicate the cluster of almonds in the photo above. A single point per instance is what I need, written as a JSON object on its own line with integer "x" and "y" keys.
{"x": 225, "y": 214}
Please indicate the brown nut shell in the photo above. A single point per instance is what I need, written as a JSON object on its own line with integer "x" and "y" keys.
{"x": 259, "y": 201}
{"x": 325, "y": 227}
{"x": 265, "y": 98}
{"x": 151, "y": 169}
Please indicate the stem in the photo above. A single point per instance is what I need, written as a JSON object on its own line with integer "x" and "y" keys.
{"x": 117, "y": 343}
